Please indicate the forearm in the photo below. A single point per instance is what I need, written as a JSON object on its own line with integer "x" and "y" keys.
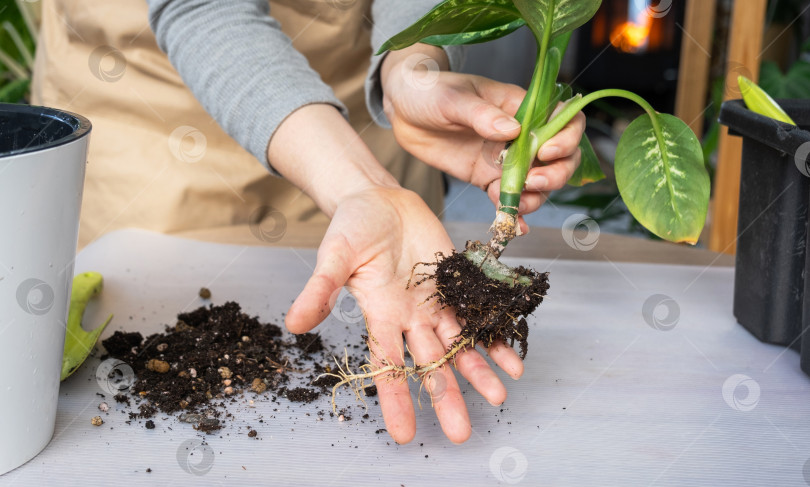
{"x": 239, "y": 64}
{"x": 316, "y": 149}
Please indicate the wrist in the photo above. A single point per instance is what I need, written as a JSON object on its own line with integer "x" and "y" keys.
{"x": 413, "y": 58}
{"x": 317, "y": 150}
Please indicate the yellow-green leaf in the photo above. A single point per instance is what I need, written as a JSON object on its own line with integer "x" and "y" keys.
{"x": 79, "y": 343}
{"x": 662, "y": 178}
{"x": 760, "y": 102}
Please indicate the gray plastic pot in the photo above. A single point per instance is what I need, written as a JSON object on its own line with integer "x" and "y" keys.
{"x": 42, "y": 159}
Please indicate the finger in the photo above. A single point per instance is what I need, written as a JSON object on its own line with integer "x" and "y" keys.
{"x": 312, "y": 306}
{"x": 490, "y": 122}
{"x": 507, "y": 359}
{"x": 505, "y": 96}
{"x": 446, "y": 396}
{"x": 385, "y": 342}
{"x": 565, "y": 142}
{"x": 494, "y": 191}
{"x": 553, "y": 176}
{"x": 530, "y": 201}
{"x": 524, "y": 227}
{"x": 472, "y": 365}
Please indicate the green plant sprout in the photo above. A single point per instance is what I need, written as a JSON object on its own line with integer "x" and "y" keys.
{"x": 659, "y": 163}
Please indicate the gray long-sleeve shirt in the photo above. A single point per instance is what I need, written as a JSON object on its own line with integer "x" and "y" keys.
{"x": 244, "y": 71}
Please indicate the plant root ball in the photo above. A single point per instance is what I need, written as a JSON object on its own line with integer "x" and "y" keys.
{"x": 489, "y": 309}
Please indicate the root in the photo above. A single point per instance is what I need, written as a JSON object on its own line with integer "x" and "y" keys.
{"x": 359, "y": 381}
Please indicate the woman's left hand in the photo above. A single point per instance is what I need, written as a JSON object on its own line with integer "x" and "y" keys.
{"x": 458, "y": 123}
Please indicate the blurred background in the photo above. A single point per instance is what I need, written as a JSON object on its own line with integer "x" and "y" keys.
{"x": 623, "y": 46}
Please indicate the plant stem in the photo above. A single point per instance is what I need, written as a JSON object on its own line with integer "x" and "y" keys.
{"x": 519, "y": 155}
{"x": 518, "y": 152}
{"x": 573, "y": 106}
{"x": 516, "y": 166}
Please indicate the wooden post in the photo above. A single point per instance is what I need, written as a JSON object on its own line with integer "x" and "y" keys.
{"x": 744, "y": 51}
{"x": 693, "y": 70}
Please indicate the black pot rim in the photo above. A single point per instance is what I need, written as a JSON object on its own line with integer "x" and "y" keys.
{"x": 780, "y": 136}
{"x": 81, "y": 126}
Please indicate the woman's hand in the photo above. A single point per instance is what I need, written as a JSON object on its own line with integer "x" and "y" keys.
{"x": 378, "y": 232}
{"x": 375, "y": 238}
{"x": 458, "y": 123}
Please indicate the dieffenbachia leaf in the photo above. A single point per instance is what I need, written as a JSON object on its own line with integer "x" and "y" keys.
{"x": 459, "y": 22}
{"x": 567, "y": 14}
{"x": 660, "y": 175}
{"x": 589, "y": 170}
{"x": 474, "y": 37}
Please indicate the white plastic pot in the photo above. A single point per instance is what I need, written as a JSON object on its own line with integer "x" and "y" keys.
{"x": 42, "y": 158}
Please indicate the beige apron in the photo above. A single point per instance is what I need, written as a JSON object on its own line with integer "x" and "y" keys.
{"x": 157, "y": 160}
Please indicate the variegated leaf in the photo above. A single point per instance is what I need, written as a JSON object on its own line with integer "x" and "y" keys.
{"x": 459, "y": 22}
{"x": 662, "y": 179}
{"x": 567, "y": 14}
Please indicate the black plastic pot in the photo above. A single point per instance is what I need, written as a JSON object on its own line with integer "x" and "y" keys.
{"x": 770, "y": 277}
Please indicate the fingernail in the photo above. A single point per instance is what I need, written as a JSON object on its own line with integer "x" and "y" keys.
{"x": 537, "y": 182}
{"x": 549, "y": 153}
{"x": 506, "y": 124}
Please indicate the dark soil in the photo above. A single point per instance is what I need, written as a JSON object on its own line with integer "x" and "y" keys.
{"x": 491, "y": 310}
{"x": 210, "y": 357}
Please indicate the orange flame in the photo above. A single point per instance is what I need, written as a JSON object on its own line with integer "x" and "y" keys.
{"x": 632, "y": 36}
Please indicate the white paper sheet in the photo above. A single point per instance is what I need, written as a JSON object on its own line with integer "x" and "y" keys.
{"x": 606, "y": 398}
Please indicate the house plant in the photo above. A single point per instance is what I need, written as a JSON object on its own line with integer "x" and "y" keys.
{"x": 659, "y": 169}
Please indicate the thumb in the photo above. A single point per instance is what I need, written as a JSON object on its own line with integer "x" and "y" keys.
{"x": 488, "y": 121}
{"x": 331, "y": 272}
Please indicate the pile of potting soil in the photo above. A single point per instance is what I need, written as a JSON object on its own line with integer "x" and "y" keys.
{"x": 210, "y": 357}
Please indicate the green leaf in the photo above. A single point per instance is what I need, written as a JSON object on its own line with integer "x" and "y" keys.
{"x": 79, "y": 343}
{"x": 661, "y": 177}
{"x": 14, "y": 91}
{"x": 459, "y": 22}
{"x": 567, "y": 14}
{"x": 589, "y": 170}
{"x": 760, "y": 102}
{"x": 794, "y": 84}
{"x": 474, "y": 37}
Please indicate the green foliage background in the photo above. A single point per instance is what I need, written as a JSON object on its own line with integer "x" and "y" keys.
{"x": 15, "y": 80}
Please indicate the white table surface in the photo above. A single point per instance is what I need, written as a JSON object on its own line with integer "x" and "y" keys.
{"x": 606, "y": 399}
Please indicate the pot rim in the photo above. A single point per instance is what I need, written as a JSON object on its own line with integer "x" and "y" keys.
{"x": 81, "y": 126}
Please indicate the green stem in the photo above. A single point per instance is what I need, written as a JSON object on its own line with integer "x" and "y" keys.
{"x": 521, "y": 154}
{"x": 519, "y": 150}
{"x": 542, "y": 134}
